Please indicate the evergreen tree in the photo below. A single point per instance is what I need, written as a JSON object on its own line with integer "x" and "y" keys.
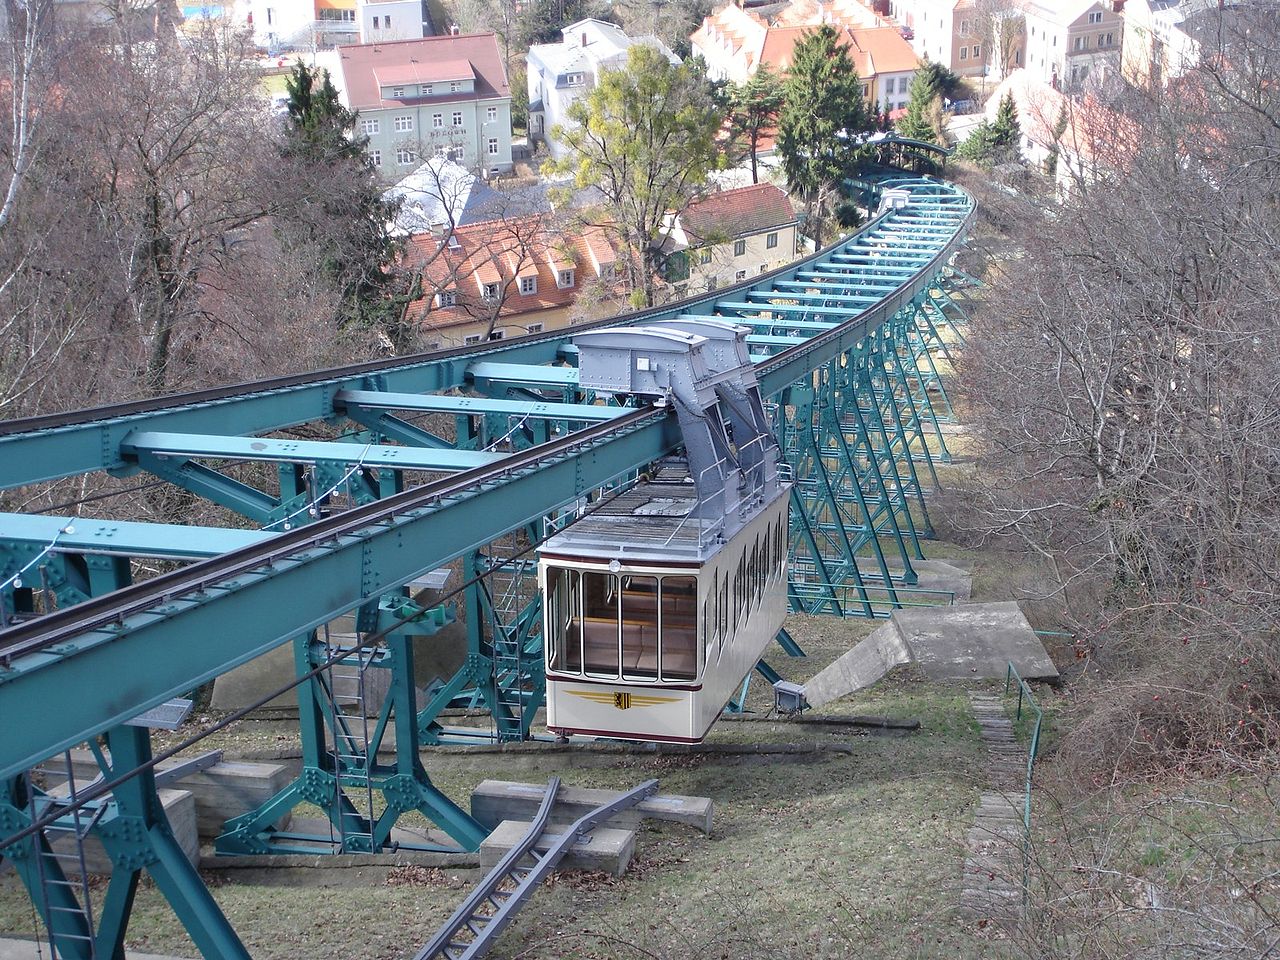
{"x": 348, "y": 236}
{"x": 753, "y": 111}
{"x": 823, "y": 109}
{"x": 1006, "y": 130}
{"x": 995, "y": 141}
{"x": 924, "y": 94}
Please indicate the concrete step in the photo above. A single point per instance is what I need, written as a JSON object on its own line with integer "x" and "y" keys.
{"x": 494, "y": 801}
{"x": 862, "y": 665}
{"x": 603, "y": 849}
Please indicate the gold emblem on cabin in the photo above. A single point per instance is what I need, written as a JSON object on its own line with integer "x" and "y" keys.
{"x": 622, "y": 700}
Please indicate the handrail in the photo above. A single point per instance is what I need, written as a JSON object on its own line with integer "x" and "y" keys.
{"x": 1033, "y": 750}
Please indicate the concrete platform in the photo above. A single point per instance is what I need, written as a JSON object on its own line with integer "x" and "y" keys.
{"x": 974, "y": 640}
{"x": 605, "y": 849}
{"x": 14, "y": 949}
{"x": 968, "y": 641}
{"x": 494, "y": 801}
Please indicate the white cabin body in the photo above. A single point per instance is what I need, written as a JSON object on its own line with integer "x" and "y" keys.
{"x": 653, "y": 617}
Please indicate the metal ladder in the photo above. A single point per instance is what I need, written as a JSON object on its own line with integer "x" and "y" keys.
{"x": 351, "y": 760}
{"x": 509, "y": 587}
{"x": 471, "y": 931}
{"x": 78, "y": 825}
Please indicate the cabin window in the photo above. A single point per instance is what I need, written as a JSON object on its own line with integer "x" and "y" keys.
{"x": 600, "y": 624}
{"x": 565, "y": 642}
{"x": 723, "y": 610}
{"x": 640, "y": 628}
{"x": 679, "y": 625}
{"x": 709, "y": 615}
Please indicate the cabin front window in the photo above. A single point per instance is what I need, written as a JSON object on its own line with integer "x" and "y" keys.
{"x": 628, "y": 627}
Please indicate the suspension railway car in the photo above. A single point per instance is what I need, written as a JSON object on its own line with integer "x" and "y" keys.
{"x": 654, "y": 615}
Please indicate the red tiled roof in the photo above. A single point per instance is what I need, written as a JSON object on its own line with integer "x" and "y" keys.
{"x": 426, "y": 60}
{"x": 738, "y": 213}
{"x": 502, "y": 251}
{"x": 880, "y": 50}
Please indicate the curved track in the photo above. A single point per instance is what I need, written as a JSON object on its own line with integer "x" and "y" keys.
{"x": 803, "y": 316}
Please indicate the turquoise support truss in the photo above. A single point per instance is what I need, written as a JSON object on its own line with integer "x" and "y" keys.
{"x": 852, "y": 346}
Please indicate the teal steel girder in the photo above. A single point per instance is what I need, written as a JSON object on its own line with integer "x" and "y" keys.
{"x": 175, "y": 643}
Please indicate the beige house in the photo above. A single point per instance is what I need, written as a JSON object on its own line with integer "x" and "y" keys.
{"x": 731, "y": 236}
{"x": 1069, "y": 41}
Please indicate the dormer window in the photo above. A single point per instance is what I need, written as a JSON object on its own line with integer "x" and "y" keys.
{"x": 564, "y": 279}
{"x": 446, "y": 298}
{"x": 454, "y": 86}
{"x": 576, "y": 79}
{"x": 490, "y": 291}
{"x": 426, "y": 89}
{"x": 528, "y": 285}
{"x": 397, "y": 93}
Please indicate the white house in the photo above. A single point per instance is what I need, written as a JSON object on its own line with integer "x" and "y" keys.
{"x": 560, "y": 73}
{"x": 393, "y": 20}
{"x": 1162, "y": 38}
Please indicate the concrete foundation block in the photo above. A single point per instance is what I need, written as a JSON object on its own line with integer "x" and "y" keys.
{"x": 180, "y": 809}
{"x": 225, "y": 790}
{"x": 605, "y": 849}
{"x": 494, "y": 801}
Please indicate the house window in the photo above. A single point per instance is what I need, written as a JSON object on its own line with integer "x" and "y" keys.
{"x": 1105, "y": 39}
{"x": 764, "y": 268}
{"x": 704, "y": 255}
{"x": 965, "y": 28}
{"x": 453, "y": 86}
{"x": 442, "y": 152}
{"x": 471, "y": 340}
{"x": 375, "y": 23}
{"x": 497, "y": 335}
{"x": 269, "y": 16}
{"x": 437, "y": 121}
{"x": 1082, "y": 43}
{"x": 564, "y": 279}
{"x": 426, "y": 89}
{"x": 490, "y": 291}
{"x": 447, "y": 298}
{"x": 404, "y": 124}
{"x": 493, "y": 146}
{"x": 534, "y": 328}
{"x": 1095, "y": 16}
{"x": 386, "y": 21}
{"x": 739, "y": 247}
{"x": 576, "y": 79}
{"x": 528, "y": 285}
{"x": 740, "y": 275}
{"x": 397, "y": 93}
{"x": 375, "y": 157}
{"x": 405, "y": 157}
{"x": 457, "y": 118}
{"x": 491, "y": 114}
{"x": 866, "y": 91}
{"x": 369, "y": 127}
{"x": 771, "y": 240}
{"x": 964, "y": 53}
{"x": 977, "y": 51}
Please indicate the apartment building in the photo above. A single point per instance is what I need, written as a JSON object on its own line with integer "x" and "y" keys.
{"x": 432, "y": 97}
{"x": 1163, "y": 39}
{"x": 503, "y": 278}
{"x": 734, "y": 43}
